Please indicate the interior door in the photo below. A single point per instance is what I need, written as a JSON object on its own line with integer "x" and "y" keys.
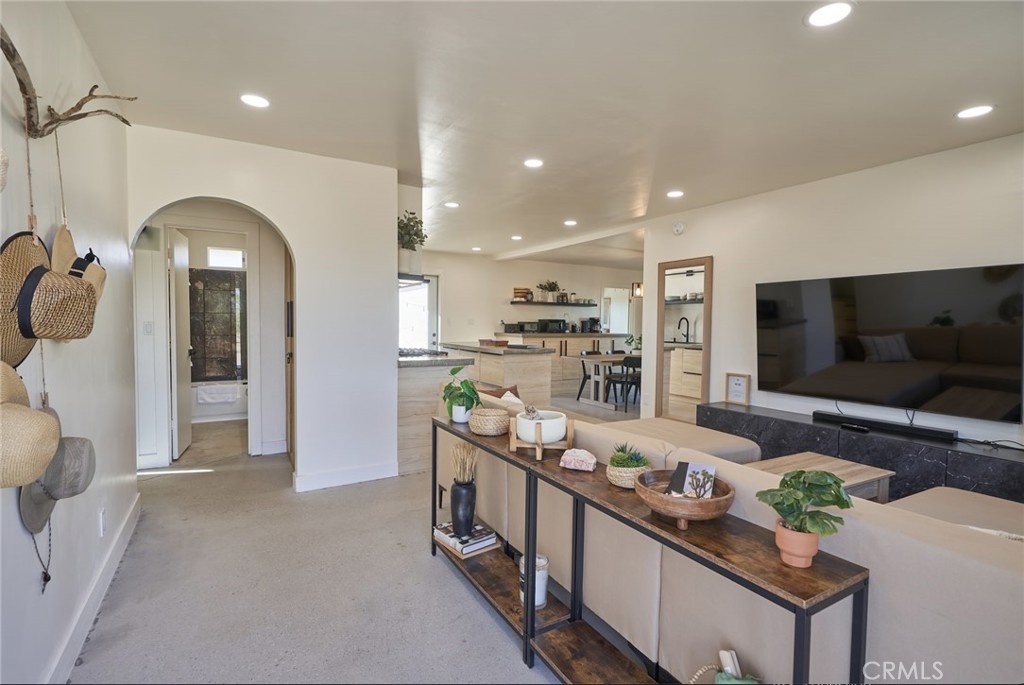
{"x": 289, "y": 352}
{"x": 181, "y": 344}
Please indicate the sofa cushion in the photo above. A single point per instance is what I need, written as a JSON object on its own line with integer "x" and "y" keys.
{"x": 966, "y": 508}
{"x": 601, "y": 440}
{"x": 988, "y": 376}
{"x": 498, "y": 392}
{"x": 905, "y": 384}
{"x": 680, "y": 434}
{"x": 991, "y": 345}
{"x": 853, "y": 350}
{"x": 937, "y": 343}
{"x": 886, "y": 348}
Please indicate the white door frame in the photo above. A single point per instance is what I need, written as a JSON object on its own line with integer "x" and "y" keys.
{"x": 180, "y": 342}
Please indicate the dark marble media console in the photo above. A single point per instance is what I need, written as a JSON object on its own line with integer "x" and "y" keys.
{"x": 919, "y": 464}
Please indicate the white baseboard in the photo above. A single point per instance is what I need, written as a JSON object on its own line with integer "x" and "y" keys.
{"x": 61, "y": 672}
{"x": 330, "y": 479}
{"x": 219, "y": 417}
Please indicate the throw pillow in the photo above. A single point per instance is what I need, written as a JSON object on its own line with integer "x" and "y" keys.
{"x": 886, "y": 348}
{"x": 499, "y": 392}
{"x": 510, "y": 397}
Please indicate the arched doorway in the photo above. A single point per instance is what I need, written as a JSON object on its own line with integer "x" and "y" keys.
{"x": 213, "y": 328}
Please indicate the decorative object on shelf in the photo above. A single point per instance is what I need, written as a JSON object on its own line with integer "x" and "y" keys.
{"x": 625, "y": 465}
{"x": 737, "y": 388}
{"x": 463, "y": 493}
{"x": 634, "y": 342}
{"x": 540, "y": 570}
{"x": 652, "y": 486}
{"x": 550, "y": 290}
{"x": 411, "y": 237}
{"x": 460, "y": 396}
{"x": 578, "y": 460}
{"x": 799, "y": 528}
{"x": 540, "y": 430}
{"x": 488, "y": 421}
{"x": 490, "y": 342}
{"x": 28, "y": 437}
{"x": 29, "y": 97}
{"x": 522, "y": 295}
{"x": 481, "y": 539}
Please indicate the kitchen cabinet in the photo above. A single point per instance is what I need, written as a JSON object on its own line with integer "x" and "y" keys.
{"x": 686, "y": 372}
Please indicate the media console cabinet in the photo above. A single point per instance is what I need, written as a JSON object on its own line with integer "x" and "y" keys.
{"x": 732, "y": 547}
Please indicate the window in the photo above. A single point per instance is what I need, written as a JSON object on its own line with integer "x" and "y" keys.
{"x": 217, "y": 301}
{"x": 225, "y": 258}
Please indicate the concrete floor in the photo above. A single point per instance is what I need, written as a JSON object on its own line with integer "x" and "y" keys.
{"x": 231, "y": 576}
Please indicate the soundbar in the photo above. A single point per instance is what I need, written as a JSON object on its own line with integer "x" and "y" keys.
{"x": 863, "y": 425}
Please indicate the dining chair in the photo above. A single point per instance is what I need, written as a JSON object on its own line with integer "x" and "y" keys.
{"x": 586, "y": 374}
{"x": 628, "y": 379}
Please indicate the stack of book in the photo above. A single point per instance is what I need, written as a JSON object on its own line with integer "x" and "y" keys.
{"x": 481, "y": 539}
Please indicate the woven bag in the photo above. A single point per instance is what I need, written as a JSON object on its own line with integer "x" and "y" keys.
{"x": 486, "y": 421}
{"x": 624, "y": 476}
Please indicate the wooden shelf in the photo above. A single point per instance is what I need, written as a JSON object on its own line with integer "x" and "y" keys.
{"x": 577, "y": 653}
{"x": 559, "y": 304}
{"x": 670, "y": 302}
{"x": 496, "y": 576}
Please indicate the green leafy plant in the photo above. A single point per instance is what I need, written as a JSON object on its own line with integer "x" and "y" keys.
{"x": 462, "y": 393}
{"x": 635, "y": 342}
{"x": 943, "y": 319}
{"x": 799, "y": 490}
{"x": 410, "y": 231}
{"x": 628, "y": 457}
{"x": 548, "y": 286}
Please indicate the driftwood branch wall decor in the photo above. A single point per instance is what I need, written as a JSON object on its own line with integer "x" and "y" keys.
{"x": 55, "y": 119}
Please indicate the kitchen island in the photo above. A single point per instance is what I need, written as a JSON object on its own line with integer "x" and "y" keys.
{"x": 419, "y": 386}
{"x": 566, "y": 368}
{"x": 527, "y": 368}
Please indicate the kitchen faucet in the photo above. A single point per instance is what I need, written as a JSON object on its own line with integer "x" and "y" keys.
{"x": 686, "y": 335}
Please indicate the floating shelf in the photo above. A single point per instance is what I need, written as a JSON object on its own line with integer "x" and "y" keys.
{"x": 684, "y": 301}
{"x": 559, "y": 304}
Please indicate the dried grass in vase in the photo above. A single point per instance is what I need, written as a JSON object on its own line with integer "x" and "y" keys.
{"x": 464, "y": 461}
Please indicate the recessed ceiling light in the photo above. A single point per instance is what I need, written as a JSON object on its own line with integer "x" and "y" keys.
{"x": 534, "y": 163}
{"x": 255, "y": 100}
{"x": 569, "y": 222}
{"x": 451, "y": 205}
{"x": 971, "y": 112}
{"x": 475, "y": 249}
{"x": 829, "y": 14}
{"x": 517, "y": 237}
{"x": 675, "y": 193}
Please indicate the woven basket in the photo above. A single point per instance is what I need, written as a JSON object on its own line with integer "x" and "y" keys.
{"x": 489, "y": 421}
{"x": 624, "y": 476}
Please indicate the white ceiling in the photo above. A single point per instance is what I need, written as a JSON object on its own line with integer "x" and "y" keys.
{"x": 623, "y": 100}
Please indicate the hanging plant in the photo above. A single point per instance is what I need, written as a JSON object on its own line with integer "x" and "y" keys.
{"x": 410, "y": 231}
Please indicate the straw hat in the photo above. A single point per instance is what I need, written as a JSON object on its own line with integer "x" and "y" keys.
{"x": 3, "y": 169}
{"x": 19, "y": 255}
{"x": 69, "y": 474}
{"x": 67, "y": 261}
{"x": 28, "y": 437}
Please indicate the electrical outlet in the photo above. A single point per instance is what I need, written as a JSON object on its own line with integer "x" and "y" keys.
{"x": 103, "y": 521}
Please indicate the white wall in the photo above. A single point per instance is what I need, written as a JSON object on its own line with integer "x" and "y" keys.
{"x": 90, "y": 381}
{"x": 200, "y": 241}
{"x": 338, "y": 218}
{"x": 962, "y": 207}
{"x": 475, "y": 291}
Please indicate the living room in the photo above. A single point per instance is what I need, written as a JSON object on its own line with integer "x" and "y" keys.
{"x": 955, "y": 206}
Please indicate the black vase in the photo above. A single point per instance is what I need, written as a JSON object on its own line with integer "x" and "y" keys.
{"x": 463, "y": 498}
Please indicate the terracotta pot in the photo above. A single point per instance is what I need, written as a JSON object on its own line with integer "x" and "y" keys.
{"x": 797, "y": 549}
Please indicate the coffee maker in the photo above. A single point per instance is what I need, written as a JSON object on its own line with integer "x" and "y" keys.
{"x": 591, "y": 325}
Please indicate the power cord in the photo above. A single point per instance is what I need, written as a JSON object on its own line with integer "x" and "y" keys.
{"x": 996, "y": 443}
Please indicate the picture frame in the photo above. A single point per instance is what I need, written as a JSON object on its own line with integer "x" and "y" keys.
{"x": 737, "y": 388}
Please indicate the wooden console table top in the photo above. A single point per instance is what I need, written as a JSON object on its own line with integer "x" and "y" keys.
{"x": 852, "y": 473}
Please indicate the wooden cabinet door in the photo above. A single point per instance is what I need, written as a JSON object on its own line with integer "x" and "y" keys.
{"x": 572, "y": 367}
{"x": 676, "y": 372}
{"x": 556, "y": 344}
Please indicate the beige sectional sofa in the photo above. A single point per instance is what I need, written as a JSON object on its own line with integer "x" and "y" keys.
{"x": 942, "y": 596}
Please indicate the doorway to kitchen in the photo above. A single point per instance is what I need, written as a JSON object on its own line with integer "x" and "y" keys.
{"x": 418, "y": 316}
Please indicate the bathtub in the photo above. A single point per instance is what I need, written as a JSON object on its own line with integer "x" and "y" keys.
{"x": 206, "y": 407}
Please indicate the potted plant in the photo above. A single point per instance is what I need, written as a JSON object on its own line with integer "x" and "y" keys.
{"x": 460, "y": 396}
{"x": 634, "y": 342}
{"x": 463, "y": 494}
{"x": 410, "y": 237}
{"x": 549, "y": 287}
{"x": 625, "y": 465}
{"x": 799, "y": 528}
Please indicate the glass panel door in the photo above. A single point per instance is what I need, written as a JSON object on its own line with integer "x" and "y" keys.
{"x": 418, "y": 315}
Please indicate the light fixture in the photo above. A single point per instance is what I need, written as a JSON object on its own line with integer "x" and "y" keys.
{"x": 451, "y": 205}
{"x": 674, "y": 193}
{"x": 638, "y": 289}
{"x": 255, "y": 100}
{"x": 517, "y": 237}
{"x": 475, "y": 249}
{"x": 569, "y": 222}
{"x": 829, "y": 14}
{"x": 534, "y": 163}
{"x": 971, "y": 112}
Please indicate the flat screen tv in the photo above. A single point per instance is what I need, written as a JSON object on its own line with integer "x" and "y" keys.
{"x": 946, "y": 341}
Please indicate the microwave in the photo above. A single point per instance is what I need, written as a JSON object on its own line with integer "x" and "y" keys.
{"x": 553, "y": 325}
{"x": 529, "y": 327}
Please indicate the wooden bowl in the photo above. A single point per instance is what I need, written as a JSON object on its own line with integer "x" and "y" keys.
{"x": 651, "y": 486}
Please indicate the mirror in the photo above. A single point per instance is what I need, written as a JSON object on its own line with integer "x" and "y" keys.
{"x": 684, "y": 337}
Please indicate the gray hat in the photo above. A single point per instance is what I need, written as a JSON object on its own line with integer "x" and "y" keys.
{"x": 68, "y": 474}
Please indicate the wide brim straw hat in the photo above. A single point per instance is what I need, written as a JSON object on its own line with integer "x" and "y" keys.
{"x": 66, "y": 261}
{"x": 19, "y": 255}
{"x": 28, "y": 437}
{"x": 69, "y": 474}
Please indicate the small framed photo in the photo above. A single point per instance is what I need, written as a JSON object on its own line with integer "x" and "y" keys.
{"x": 737, "y": 388}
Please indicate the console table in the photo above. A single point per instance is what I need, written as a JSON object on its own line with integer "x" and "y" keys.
{"x": 732, "y": 547}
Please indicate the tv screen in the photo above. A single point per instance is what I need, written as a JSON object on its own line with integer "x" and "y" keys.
{"x": 947, "y": 341}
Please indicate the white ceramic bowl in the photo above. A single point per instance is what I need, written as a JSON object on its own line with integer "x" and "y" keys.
{"x": 552, "y": 427}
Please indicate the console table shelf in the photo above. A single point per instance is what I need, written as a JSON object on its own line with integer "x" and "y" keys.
{"x": 577, "y": 653}
{"x": 496, "y": 576}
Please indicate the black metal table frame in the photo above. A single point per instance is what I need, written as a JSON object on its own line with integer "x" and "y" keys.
{"x": 802, "y": 616}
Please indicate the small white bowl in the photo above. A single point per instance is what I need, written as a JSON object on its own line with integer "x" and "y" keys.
{"x": 552, "y": 427}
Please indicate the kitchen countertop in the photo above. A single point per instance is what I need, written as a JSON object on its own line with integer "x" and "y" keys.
{"x": 488, "y": 349}
{"x": 563, "y": 335}
{"x": 432, "y": 360}
{"x": 671, "y": 345}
